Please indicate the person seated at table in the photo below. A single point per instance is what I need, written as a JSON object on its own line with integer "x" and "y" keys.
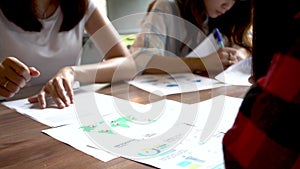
{"x": 176, "y": 27}
{"x": 47, "y": 35}
{"x": 264, "y": 134}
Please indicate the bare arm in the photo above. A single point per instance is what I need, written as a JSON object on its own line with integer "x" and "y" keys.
{"x": 215, "y": 62}
{"x": 104, "y": 36}
{"x": 112, "y": 70}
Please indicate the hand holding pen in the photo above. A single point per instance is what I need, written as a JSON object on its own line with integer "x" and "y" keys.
{"x": 227, "y": 55}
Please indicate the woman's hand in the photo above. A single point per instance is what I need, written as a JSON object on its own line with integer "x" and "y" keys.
{"x": 59, "y": 88}
{"x": 14, "y": 75}
{"x": 229, "y": 56}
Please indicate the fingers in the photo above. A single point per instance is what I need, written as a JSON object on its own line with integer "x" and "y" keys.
{"x": 61, "y": 94}
{"x": 239, "y": 54}
{"x": 59, "y": 88}
{"x": 33, "y": 99}
{"x": 7, "y": 88}
{"x": 16, "y": 68}
{"x": 10, "y": 86}
{"x": 40, "y": 98}
{"x": 231, "y": 50}
{"x": 13, "y": 76}
{"x": 231, "y": 55}
{"x": 227, "y": 56}
{"x": 16, "y": 78}
{"x": 231, "y": 59}
{"x": 34, "y": 72}
{"x": 70, "y": 93}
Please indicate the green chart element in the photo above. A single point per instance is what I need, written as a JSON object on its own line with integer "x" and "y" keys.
{"x": 89, "y": 128}
{"x": 120, "y": 122}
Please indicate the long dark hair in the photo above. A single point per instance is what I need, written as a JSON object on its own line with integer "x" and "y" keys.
{"x": 235, "y": 23}
{"x": 21, "y": 13}
{"x": 273, "y": 32}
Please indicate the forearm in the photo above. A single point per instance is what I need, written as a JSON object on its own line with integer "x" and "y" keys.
{"x": 112, "y": 70}
{"x": 104, "y": 36}
{"x": 163, "y": 64}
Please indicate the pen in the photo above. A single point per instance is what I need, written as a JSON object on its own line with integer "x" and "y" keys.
{"x": 219, "y": 38}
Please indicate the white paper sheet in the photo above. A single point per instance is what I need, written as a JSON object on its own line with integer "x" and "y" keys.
{"x": 191, "y": 153}
{"x": 130, "y": 132}
{"x": 205, "y": 48}
{"x": 164, "y": 84}
{"x": 73, "y": 136}
{"x": 52, "y": 116}
{"x": 166, "y": 116}
{"x": 224, "y": 108}
{"x": 238, "y": 73}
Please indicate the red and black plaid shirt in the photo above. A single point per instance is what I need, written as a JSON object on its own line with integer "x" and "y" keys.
{"x": 266, "y": 132}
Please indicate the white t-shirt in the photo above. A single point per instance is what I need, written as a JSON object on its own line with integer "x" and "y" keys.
{"x": 48, "y": 50}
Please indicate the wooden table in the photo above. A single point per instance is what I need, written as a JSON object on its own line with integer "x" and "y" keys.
{"x": 24, "y": 146}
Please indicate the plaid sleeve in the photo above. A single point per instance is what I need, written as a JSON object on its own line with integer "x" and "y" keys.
{"x": 265, "y": 132}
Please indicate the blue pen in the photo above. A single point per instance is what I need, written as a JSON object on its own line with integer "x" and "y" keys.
{"x": 219, "y": 38}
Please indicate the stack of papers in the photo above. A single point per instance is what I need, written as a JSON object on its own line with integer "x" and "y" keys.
{"x": 164, "y": 134}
